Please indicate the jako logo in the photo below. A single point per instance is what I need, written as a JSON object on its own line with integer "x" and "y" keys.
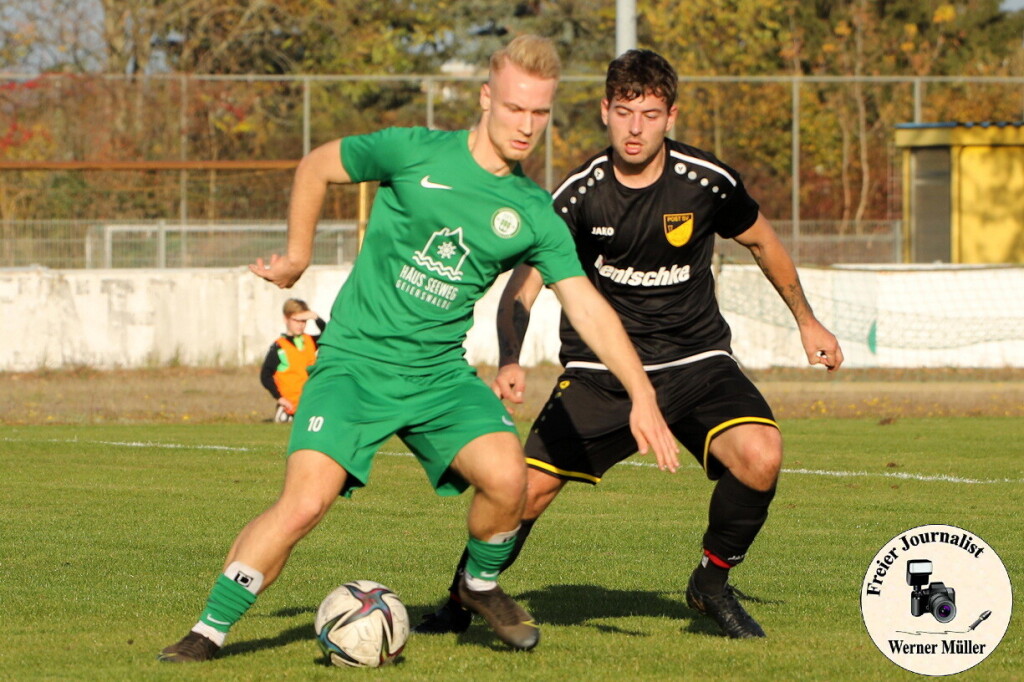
{"x": 603, "y": 231}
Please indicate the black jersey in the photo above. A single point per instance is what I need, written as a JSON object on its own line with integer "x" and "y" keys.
{"x": 649, "y": 250}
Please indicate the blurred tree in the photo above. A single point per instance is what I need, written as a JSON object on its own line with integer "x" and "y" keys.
{"x": 845, "y": 129}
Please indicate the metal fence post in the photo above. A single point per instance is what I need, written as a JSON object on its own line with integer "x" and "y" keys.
{"x": 161, "y": 244}
{"x": 795, "y": 151}
{"x": 305, "y": 116}
{"x": 549, "y": 153}
{"x": 918, "y": 87}
{"x": 183, "y": 141}
{"x": 108, "y": 246}
{"x": 430, "y": 103}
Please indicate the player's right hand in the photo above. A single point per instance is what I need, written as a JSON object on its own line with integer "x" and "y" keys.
{"x": 652, "y": 433}
{"x": 279, "y": 270}
{"x": 510, "y": 383}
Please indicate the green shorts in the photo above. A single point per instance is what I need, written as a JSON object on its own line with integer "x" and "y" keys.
{"x": 349, "y": 408}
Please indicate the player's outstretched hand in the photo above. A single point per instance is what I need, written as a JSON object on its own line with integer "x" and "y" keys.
{"x": 652, "y": 433}
{"x": 510, "y": 383}
{"x": 278, "y": 270}
{"x": 821, "y": 346}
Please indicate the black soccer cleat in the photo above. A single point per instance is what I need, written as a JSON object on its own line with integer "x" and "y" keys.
{"x": 509, "y": 620}
{"x": 451, "y": 617}
{"x": 725, "y": 610}
{"x": 192, "y": 648}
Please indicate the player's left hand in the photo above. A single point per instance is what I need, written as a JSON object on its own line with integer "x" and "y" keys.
{"x": 821, "y": 346}
{"x": 279, "y": 270}
{"x": 510, "y": 383}
{"x": 652, "y": 433}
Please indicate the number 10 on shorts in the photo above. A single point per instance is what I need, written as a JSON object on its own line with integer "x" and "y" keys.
{"x": 315, "y": 424}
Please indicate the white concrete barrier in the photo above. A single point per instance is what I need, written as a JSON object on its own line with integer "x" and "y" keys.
{"x": 884, "y": 317}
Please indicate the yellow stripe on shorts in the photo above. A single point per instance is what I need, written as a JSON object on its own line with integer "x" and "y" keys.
{"x": 728, "y": 425}
{"x": 577, "y": 475}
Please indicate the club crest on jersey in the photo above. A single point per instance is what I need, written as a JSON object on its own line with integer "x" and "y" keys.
{"x": 678, "y": 228}
{"x": 444, "y": 253}
{"x": 505, "y": 223}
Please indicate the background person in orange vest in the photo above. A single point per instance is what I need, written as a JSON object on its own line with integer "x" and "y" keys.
{"x": 284, "y": 370}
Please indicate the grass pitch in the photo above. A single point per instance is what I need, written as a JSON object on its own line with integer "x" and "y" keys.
{"x": 112, "y": 535}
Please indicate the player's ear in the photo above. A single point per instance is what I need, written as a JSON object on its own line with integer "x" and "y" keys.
{"x": 604, "y": 111}
{"x": 485, "y": 97}
{"x": 671, "y": 121}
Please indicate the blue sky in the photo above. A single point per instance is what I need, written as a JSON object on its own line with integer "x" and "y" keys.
{"x": 1013, "y": 4}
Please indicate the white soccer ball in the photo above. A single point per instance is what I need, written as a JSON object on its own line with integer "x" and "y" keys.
{"x": 362, "y": 624}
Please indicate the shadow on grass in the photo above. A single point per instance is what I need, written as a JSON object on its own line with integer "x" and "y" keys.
{"x": 563, "y": 605}
{"x": 284, "y": 638}
{"x": 582, "y": 605}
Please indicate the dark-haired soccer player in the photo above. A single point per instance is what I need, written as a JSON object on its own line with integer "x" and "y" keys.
{"x": 644, "y": 214}
{"x": 454, "y": 210}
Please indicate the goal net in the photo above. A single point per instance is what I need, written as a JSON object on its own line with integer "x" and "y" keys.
{"x": 884, "y": 316}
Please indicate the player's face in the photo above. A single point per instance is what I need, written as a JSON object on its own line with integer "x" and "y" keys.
{"x": 517, "y": 106}
{"x": 295, "y": 326}
{"x": 637, "y": 127}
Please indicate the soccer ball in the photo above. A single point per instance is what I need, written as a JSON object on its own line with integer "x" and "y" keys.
{"x": 362, "y": 624}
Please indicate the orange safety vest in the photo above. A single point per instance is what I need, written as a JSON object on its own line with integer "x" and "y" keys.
{"x": 292, "y": 378}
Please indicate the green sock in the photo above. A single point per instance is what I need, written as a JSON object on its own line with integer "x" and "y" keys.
{"x": 227, "y": 602}
{"x": 487, "y": 558}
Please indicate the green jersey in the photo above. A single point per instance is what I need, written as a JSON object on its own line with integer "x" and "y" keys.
{"x": 441, "y": 230}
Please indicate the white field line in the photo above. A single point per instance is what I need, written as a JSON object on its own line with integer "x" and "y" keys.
{"x": 127, "y": 444}
{"x": 836, "y": 474}
{"x": 942, "y": 478}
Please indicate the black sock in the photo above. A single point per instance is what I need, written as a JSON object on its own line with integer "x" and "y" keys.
{"x": 735, "y": 516}
{"x": 711, "y": 576}
{"x": 525, "y": 527}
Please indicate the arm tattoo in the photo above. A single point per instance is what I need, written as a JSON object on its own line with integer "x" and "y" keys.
{"x": 792, "y": 294}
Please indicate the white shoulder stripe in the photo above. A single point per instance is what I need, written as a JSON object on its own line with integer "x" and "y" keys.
{"x": 707, "y": 164}
{"x": 573, "y": 178}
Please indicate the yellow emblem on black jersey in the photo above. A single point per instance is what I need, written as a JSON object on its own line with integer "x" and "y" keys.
{"x": 678, "y": 228}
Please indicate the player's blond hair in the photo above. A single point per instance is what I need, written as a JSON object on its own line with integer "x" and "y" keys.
{"x": 294, "y": 305}
{"x": 533, "y": 54}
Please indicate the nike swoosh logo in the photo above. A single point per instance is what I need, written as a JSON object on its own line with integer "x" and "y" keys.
{"x": 488, "y": 574}
{"x": 218, "y": 622}
{"x": 425, "y": 182}
{"x": 507, "y": 422}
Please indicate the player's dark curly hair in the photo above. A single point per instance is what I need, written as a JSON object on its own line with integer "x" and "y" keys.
{"x": 641, "y": 72}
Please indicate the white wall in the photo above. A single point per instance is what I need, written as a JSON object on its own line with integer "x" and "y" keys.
{"x": 897, "y": 317}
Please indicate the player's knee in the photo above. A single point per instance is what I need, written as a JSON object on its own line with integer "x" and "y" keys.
{"x": 504, "y": 485}
{"x": 297, "y": 516}
{"x": 541, "y": 490}
{"x": 760, "y": 460}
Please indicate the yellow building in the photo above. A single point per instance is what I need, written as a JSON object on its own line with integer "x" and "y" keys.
{"x": 963, "y": 192}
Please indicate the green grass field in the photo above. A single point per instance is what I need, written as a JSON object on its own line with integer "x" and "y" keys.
{"x": 110, "y": 537}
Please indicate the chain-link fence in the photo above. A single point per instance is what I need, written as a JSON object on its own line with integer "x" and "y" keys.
{"x": 66, "y": 244}
{"x": 816, "y": 152}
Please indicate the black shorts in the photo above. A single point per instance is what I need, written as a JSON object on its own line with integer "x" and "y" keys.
{"x": 583, "y": 429}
